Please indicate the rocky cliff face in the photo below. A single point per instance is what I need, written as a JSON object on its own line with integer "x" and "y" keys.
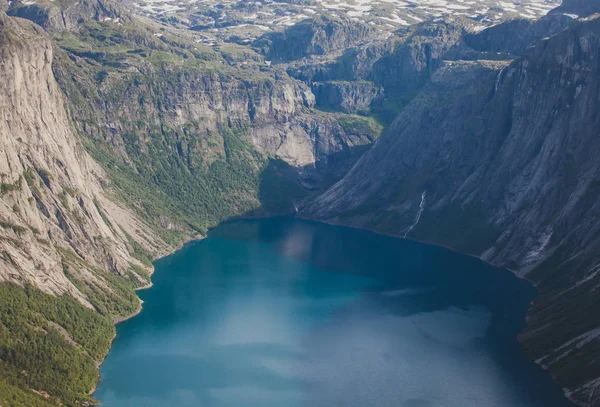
{"x": 411, "y": 63}
{"x": 317, "y": 36}
{"x": 581, "y": 8}
{"x": 64, "y": 16}
{"x": 498, "y": 161}
{"x": 510, "y": 39}
{"x": 52, "y": 195}
{"x": 380, "y": 77}
{"x": 76, "y": 252}
{"x": 349, "y": 97}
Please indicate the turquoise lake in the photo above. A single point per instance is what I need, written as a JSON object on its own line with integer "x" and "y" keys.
{"x": 283, "y": 312}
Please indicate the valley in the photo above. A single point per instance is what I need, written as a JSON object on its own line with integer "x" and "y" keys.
{"x": 129, "y": 129}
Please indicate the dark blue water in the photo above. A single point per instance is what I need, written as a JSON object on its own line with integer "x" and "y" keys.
{"x": 283, "y": 312}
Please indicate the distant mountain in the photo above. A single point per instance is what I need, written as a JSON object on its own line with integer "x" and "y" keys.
{"x": 315, "y": 36}
{"x": 581, "y": 8}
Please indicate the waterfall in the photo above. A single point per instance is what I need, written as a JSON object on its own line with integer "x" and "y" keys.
{"x": 498, "y": 79}
{"x": 418, "y": 215}
{"x": 296, "y": 208}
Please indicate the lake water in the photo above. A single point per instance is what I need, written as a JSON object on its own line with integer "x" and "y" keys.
{"x": 282, "y": 312}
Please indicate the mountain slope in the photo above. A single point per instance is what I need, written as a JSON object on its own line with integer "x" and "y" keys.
{"x": 71, "y": 255}
{"x": 499, "y": 162}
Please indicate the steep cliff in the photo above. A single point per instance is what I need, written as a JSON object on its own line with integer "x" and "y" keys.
{"x": 380, "y": 77}
{"x": 498, "y": 161}
{"x": 348, "y": 97}
{"x": 411, "y": 63}
{"x": 52, "y": 192}
{"x": 61, "y": 233}
{"x": 193, "y": 128}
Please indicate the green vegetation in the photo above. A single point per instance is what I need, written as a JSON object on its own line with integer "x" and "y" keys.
{"x": 19, "y": 230}
{"x": 5, "y": 187}
{"x": 183, "y": 175}
{"x": 356, "y": 124}
{"x": 29, "y": 176}
{"x": 11, "y": 395}
{"x": 138, "y": 251}
{"x": 209, "y": 180}
{"x": 48, "y": 344}
{"x": 113, "y": 295}
{"x": 388, "y": 109}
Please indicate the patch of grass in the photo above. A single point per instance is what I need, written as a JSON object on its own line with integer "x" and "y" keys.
{"x": 139, "y": 252}
{"x": 356, "y": 124}
{"x": 6, "y": 187}
{"x": 114, "y": 299}
{"x": 19, "y": 230}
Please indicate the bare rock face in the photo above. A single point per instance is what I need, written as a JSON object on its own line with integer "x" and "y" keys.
{"x": 512, "y": 37}
{"x": 64, "y": 16}
{"x": 54, "y": 212}
{"x": 317, "y": 36}
{"x": 499, "y": 161}
{"x": 581, "y": 8}
{"x": 348, "y": 97}
{"x": 318, "y": 144}
{"x": 411, "y": 63}
{"x": 354, "y": 64}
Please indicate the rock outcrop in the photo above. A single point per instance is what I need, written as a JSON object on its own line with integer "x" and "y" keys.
{"x": 349, "y": 97}
{"x": 317, "y": 36}
{"x": 511, "y": 38}
{"x": 52, "y": 194}
{"x": 64, "y": 16}
{"x": 412, "y": 62}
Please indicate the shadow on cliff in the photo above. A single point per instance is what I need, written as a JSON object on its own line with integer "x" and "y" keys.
{"x": 282, "y": 186}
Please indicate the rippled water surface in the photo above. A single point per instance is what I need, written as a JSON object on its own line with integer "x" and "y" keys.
{"x": 282, "y": 312}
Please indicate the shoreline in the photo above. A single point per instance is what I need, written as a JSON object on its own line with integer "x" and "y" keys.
{"x": 119, "y": 319}
{"x": 116, "y": 321}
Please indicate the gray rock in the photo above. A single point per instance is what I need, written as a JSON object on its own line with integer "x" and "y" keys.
{"x": 64, "y": 16}
{"x": 348, "y": 97}
{"x": 317, "y": 36}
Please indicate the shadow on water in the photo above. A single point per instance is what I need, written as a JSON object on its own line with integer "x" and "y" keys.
{"x": 409, "y": 269}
